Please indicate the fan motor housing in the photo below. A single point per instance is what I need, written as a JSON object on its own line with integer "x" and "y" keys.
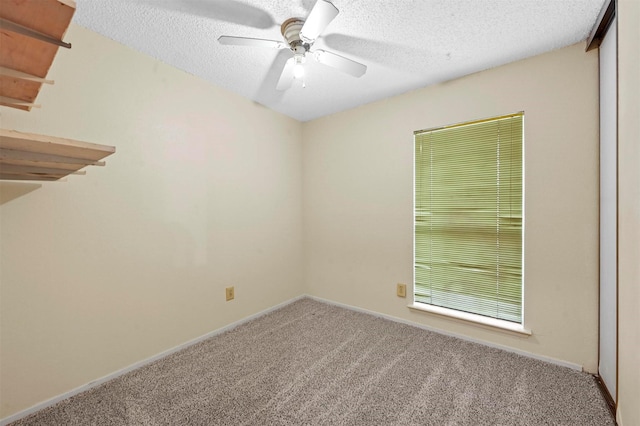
{"x": 290, "y": 30}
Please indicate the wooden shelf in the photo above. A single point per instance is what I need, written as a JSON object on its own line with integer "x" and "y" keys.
{"x": 25, "y": 156}
{"x": 31, "y": 32}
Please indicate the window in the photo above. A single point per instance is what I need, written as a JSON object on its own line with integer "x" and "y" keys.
{"x": 468, "y": 217}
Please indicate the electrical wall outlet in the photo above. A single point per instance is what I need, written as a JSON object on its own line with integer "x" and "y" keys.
{"x": 401, "y": 290}
{"x": 230, "y": 293}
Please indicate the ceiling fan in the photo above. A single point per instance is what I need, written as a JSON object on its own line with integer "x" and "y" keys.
{"x": 299, "y": 35}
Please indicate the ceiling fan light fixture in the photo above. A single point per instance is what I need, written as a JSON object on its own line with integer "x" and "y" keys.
{"x": 298, "y": 72}
{"x": 298, "y": 67}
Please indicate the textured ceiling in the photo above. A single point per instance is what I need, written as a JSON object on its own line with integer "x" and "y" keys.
{"x": 405, "y": 44}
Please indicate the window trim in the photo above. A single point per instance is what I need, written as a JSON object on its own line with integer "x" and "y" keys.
{"x": 476, "y": 319}
{"x": 461, "y": 316}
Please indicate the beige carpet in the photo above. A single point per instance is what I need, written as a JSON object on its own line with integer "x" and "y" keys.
{"x": 310, "y": 363}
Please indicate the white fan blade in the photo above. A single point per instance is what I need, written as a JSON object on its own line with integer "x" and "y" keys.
{"x": 286, "y": 78}
{"x": 247, "y": 41}
{"x": 341, "y": 63}
{"x": 321, "y": 15}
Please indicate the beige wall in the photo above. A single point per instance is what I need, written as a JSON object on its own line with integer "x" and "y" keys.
{"x": 110, "y": 268}
{"x": 628, "y": 213}
{"x": 358, "y": 182}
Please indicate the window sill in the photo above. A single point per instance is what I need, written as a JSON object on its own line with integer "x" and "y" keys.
{"x": 472, "y": 318}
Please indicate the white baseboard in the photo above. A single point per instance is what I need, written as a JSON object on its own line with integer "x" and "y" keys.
{"x": 21, "y": 414}
{"x": 619, "y": 416}
{"x": 550, "y": 360}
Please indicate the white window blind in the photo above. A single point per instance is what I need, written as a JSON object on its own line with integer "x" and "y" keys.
{"x": 468, "y": 217}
